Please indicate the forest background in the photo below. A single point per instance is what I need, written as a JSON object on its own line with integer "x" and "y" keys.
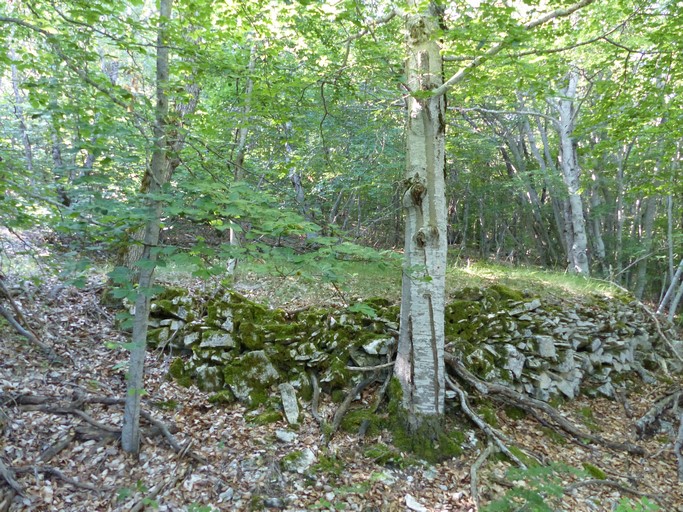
{"x": 288, "y": 121}
{"x": 205, "y": 136}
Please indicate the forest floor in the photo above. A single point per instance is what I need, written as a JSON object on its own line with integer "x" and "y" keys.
{"x": 59, "y": 439}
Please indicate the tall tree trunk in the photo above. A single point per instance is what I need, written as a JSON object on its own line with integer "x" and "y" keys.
{"x": 419, "y": 361}
{"x": 158, "y": 173}
{"x": 566, "y": 107}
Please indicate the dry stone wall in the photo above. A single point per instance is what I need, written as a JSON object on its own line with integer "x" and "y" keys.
{"x": 543, "y": 347}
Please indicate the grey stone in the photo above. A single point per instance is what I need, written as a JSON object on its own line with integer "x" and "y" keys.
{"x": 378, "y": 346}
{"x": 300, "y": 462}
{"x": 217, "y": 339}
{"x": 285, "y": 436}
{"x": 546, "y": 346}
{"x": 290, "y": 405}
{"x": 413, "y": 504}
{"x": 515, "y": 361}
{"x": 191, "y": 339}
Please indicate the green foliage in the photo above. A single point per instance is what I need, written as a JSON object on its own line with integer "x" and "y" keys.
{"x": 640, "y": 505}
{"x": 536, "y": 489}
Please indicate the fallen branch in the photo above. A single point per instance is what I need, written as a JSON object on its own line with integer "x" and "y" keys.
{"x": 370, "y": 368}
{"x": 508, "y": 395}
{"x": 660, "y": 331}
{"x": 8, "y": 475}
{"x": 610, "y": 483}
{"x": 474, "y": 472}
{"x": 645, "y": 425}
{"x": 49, "y": 470}
{"x": 52, "y": 356}
{"x": 172, "y": 440}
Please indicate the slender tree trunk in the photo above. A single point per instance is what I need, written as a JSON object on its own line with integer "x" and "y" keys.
{"x": 419, "y": 361}
{"x": 646, "y": 245}
{"x": 547, "y": 166}
{"x": 566, "y": 107}
{"x": 240, "y": 152}
{"x": 620, "y": 213}
{"x": 159, "y": 174}
{"x": 596, "y": 224}
{"x": 670, "y": 292}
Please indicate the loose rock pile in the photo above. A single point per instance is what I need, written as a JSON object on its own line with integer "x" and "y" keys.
{"x": 244, "y": 351}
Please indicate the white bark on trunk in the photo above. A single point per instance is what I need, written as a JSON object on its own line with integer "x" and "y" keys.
{"x": 419, "y": 362}
{"x": 566, "y": 107}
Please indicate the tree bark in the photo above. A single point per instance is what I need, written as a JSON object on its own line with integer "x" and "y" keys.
{"x": 419, "y": 362}
{"x": 566, "y": 107}
{"x": 159, "y": 174}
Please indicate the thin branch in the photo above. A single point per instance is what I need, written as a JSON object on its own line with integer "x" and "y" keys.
{"x": 480, "y": 59}
{"x": 505, "y": 112}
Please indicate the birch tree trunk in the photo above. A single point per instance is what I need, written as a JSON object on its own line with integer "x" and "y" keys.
{"x": 159, "y": 174}
{"x": 578, "y": 250}
{"x": 419, "y": 361}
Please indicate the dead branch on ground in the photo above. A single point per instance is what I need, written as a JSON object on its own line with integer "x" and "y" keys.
{"x": 510, "y": 396}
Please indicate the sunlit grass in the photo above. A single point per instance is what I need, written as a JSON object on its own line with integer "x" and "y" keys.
{"x": 537, "y": 280}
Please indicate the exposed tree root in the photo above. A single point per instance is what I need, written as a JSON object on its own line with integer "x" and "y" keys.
{"x": 8, "y": 475}
{"x": 344, "y": 406}
{"x": 315, "y": 400}
{"x": 493, "y": 435}
{"x": 678, "y": 445}
{"x": 512, "y": 397}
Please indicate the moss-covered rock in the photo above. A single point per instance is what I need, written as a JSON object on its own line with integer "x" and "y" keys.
{"x": 250, "y": 376}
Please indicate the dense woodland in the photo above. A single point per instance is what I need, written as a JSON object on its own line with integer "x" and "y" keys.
{"x": 299, "y": 134}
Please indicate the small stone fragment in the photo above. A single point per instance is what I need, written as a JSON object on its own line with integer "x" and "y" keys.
{"x": 285, "y": 436}
{"x": 413, "y": 504}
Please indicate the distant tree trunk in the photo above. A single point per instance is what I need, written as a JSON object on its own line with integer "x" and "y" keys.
{"x": 620, "y": 213}
{"x": 419, "y": 362}
{"x": 671, "y": 291}
{"x": 566, "y": 107}
{"x": 596, "y": 224}
{"x": 646, "y": 229}
{"x": 545, "y": 161}
{"x": 240, "y": 150}
{"x": 159, "y": 173}
{"x": 19, "y": 114}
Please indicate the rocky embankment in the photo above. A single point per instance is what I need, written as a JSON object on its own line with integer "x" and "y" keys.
{"x": 244, "y": 351}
